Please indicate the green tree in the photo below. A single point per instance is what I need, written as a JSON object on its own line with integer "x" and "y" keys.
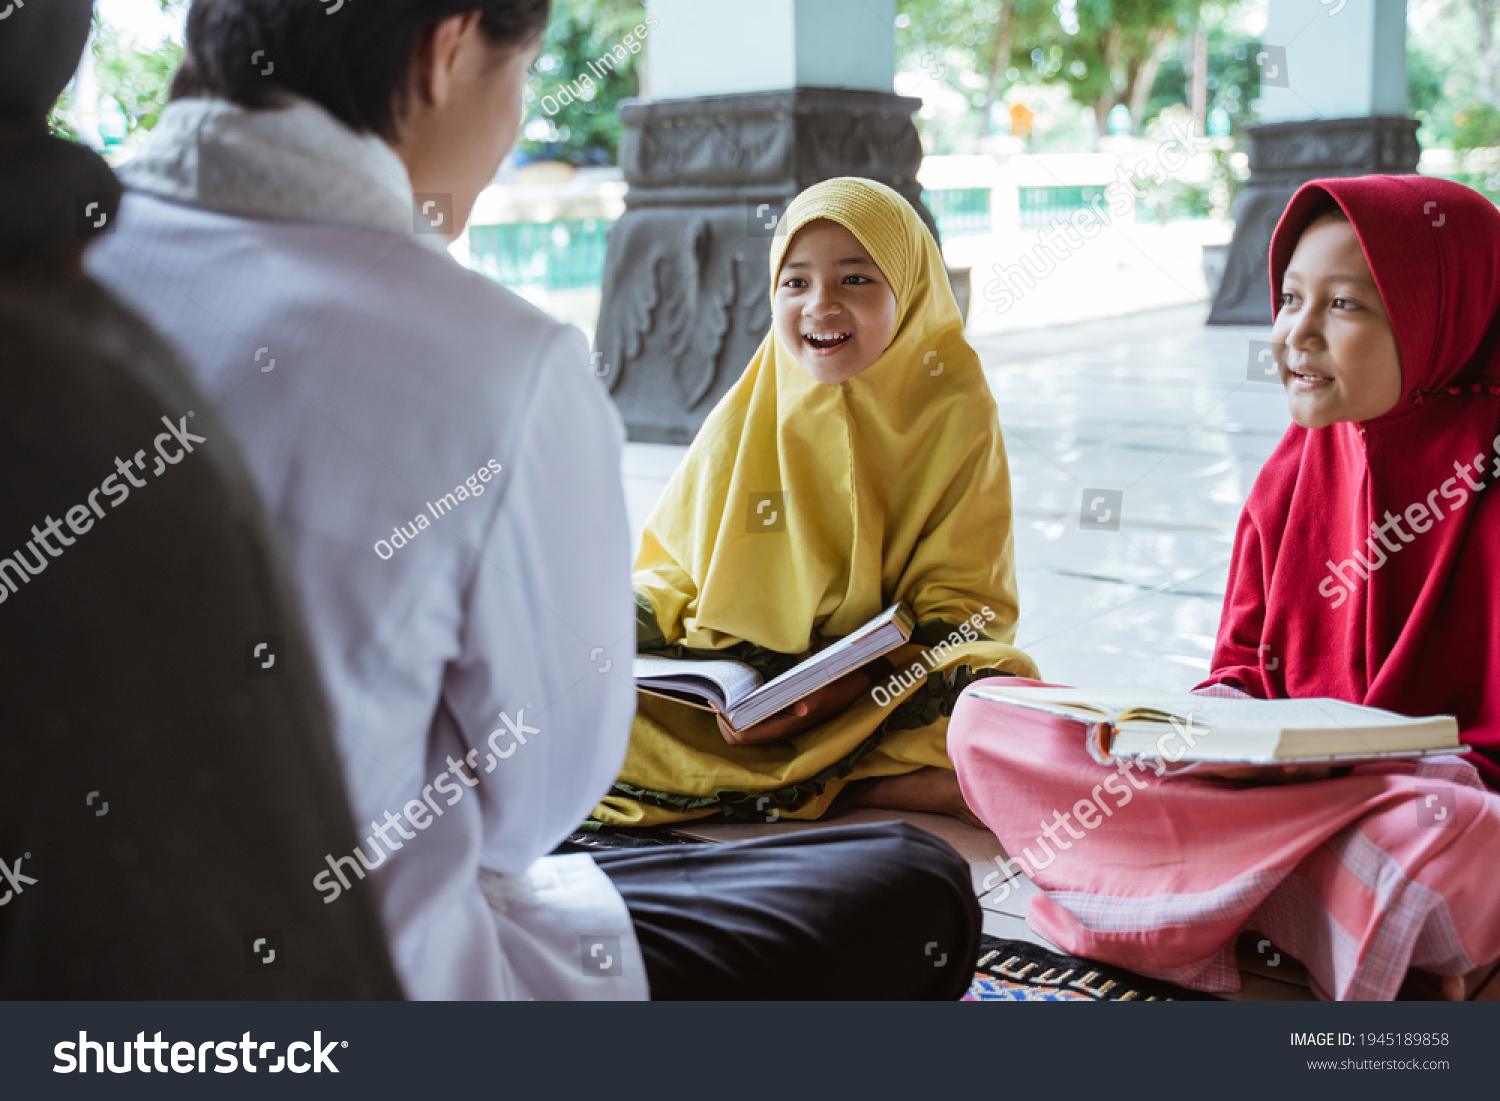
{"x": 1106, "y": 52}
{"x": 1113, "y": 52}
{"x": 1233, "y": 77}
{"x": 137, "y": 79}
{"x": 585, "y": 129}
{"x": 970, "y": 45}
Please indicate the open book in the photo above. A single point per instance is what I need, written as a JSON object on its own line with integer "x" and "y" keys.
{"x": 736, "y": 691}
{"x": 1179, "y": 726}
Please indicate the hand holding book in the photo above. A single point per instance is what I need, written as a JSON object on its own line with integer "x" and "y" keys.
{"x": 735, "y": 692}
{"x": 811, "y": 710}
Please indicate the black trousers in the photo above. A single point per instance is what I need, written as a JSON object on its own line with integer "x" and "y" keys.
{"x": 880, "y": 911}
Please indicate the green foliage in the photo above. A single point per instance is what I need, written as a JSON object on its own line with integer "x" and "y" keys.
{"x": 582, "y": 131}
{"x": 1112, "y": 42}
{"x": 1096, "y": 49}
{"x": 137, "y": 79}
{"x": 1443, "y": 65}
{"x": 57, "y": 118}
{"x": 971, "y": 46}
{"x": 1424, "y": 80}
{"x": 1476, "y": 126}
{"x": 1176, "y": 199}
{"x": 1233, "y": 78}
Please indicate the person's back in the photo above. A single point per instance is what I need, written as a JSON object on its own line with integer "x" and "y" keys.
{"x": 167, "y": 779}
{"x": 423, "y": 435}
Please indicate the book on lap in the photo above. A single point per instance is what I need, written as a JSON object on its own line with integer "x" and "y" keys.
{"x": 739, "y": 693}
{"x": 1128, "y": 723}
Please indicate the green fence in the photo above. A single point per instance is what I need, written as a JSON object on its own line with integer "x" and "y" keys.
{"x": 553, "y": 255}
{"x": 959, "y": 211}
{"x": 1041, "y": 205}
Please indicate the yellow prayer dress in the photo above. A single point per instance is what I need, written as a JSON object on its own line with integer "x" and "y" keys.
{"x": 891, "y": 486}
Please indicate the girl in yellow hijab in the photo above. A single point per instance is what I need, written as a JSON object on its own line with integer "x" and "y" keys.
{"x": 857, "y": 462}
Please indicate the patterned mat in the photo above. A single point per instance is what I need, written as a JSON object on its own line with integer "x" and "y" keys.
{"x": 1015, "y": 971}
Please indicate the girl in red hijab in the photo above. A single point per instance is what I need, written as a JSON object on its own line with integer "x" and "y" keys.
{"x": 1367, "y": 568}
{"x": 1367, "y": 562}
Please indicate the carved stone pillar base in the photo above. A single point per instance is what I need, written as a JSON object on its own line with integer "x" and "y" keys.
{"x": 1283, "y": 157}
{"x": 686, "y": 290}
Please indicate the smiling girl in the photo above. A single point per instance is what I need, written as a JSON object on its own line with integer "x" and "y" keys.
{"x": 1387, "y": 302}
{"x": 865, "y": 420}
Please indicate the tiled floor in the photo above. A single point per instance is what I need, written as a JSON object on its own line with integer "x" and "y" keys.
{"x": 1155, "y": 406}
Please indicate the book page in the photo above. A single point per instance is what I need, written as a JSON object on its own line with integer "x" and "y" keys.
{"x": 883, "y": 633}
{"x": 735, "y": 679}
{"x": 1306, "y": 714}
{"x": 1309, "y": 714}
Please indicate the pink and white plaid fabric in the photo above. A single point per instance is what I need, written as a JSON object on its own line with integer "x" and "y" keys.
{"x": 1361, "y": 877}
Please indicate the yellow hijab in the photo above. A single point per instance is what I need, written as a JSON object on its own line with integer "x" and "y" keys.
{"x": 890, "y": 486}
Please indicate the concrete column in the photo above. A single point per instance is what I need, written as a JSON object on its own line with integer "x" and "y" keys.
{"x": 751, "y": 104}
{"x": 722, "y": 47}
{"x": 1333, "y": 102}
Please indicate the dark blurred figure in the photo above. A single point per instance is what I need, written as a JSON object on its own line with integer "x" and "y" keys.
{"x": 168, "y": 786}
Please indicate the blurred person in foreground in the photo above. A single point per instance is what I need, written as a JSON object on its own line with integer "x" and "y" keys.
{"x": 160, "y": 808}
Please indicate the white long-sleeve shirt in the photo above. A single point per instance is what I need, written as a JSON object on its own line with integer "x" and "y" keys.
{"x": 367, "y": 377}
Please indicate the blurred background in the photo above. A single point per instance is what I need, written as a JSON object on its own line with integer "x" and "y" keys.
{"x": 1109, "y": 385}
{"x": 1027, "y": 107}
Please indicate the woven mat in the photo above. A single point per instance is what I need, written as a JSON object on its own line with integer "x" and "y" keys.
{"x": 1016, "y": 971}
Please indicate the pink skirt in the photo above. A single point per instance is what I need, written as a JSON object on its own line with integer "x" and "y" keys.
{"x": 1361, "y": 877}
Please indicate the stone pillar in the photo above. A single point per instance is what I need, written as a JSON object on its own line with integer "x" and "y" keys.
{"x": 1332, "y": 103}
{"x": 752, "y": 104}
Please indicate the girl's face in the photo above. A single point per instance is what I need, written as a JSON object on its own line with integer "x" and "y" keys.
{"x": 833, "y": 308}
{"x": 1333, "y": 340}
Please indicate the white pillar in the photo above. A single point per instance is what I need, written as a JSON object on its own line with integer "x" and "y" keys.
{"x": 1333, "y": 59}
{"x": 720, "y": 47}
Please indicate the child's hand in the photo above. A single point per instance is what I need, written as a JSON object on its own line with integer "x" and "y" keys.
{"x": 810, "y": 711}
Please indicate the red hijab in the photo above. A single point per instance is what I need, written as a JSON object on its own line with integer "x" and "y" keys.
{"x": 1420, "y": 634}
